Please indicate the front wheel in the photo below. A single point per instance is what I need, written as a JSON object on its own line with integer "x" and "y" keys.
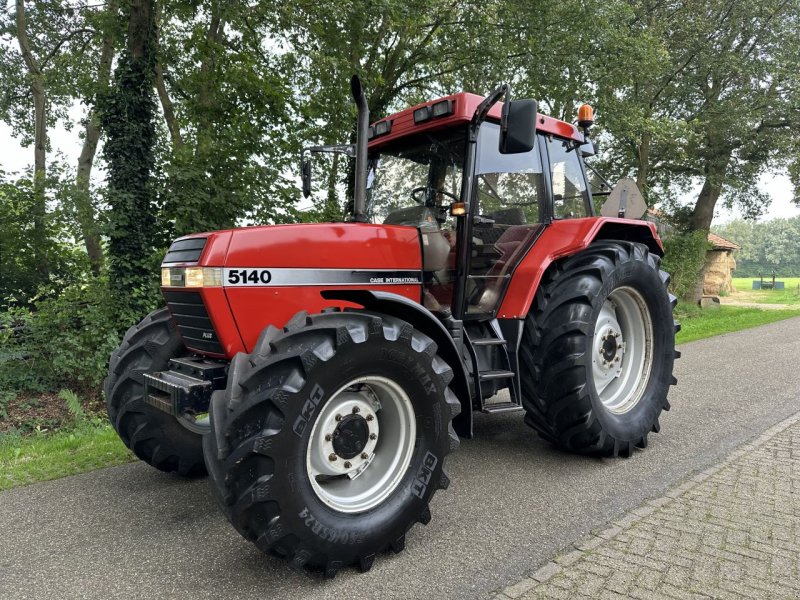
{"x": 598, "y": 350}
{"x": 161, "y": 440}
{"x": 329, "y": 440}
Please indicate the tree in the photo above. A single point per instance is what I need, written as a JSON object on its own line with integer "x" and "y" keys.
{"x": 128, "y": 114}
{"x": 61, "y": 53}
{"x": 709, "y": 100}
{"x": 226, "y": 105}
{"x": 96, "y": 85}
{"x": 765, "y": 247}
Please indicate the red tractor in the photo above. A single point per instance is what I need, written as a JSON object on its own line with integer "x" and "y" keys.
{"x": 321, "y": 373}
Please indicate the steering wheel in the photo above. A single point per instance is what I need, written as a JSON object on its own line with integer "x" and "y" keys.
{"x": 421, "y": 200}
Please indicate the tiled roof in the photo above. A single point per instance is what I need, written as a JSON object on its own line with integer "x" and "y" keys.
{"x": 720, "y": 243}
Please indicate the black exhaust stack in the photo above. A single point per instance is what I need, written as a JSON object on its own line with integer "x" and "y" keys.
{"x": 360, "y": 183}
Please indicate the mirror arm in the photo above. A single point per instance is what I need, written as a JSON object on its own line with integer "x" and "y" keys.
{"x": 483, "y": 110}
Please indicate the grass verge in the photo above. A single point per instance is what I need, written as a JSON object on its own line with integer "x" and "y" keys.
{"x": 789, "y": 295}
{"x": 28, "y": 459}
{"x": 697, "y": 323}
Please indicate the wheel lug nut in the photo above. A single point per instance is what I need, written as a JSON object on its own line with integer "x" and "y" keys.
{"x": 364, "y": 455}
{"x": 370, "y": 418}
{"x": 356, "y": 410}
{"x": 332, "y": 457}
{"x": 373, "y": 436}
{"x": 347, "y": 464}
{"x": 328, "y": 437}
{"x": 338, "y": 417}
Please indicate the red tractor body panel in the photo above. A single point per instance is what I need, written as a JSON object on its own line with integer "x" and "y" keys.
{"x": 464, "y": 106}
{"x": 559, "y": 239}
{"x": 326, "y": 246}
{"x": 303, "y": 253}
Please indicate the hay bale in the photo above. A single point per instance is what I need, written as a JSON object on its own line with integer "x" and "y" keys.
{"x": 720, "y": 265}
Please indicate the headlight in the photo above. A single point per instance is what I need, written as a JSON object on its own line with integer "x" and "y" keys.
{"x": 192, "y": 277}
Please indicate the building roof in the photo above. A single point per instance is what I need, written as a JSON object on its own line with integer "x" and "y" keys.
{"x": 720, "y": 243}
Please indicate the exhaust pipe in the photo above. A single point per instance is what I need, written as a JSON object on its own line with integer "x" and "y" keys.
{"x": 360, "y": 182}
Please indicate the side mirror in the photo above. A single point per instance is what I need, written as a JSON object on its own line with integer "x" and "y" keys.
{"x": 306, "y": 170}
{"x": 518, "y": 126}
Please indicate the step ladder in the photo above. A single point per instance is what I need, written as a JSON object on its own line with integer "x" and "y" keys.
{"x": 490, "y": 337}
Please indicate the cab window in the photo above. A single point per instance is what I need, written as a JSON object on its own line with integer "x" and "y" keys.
{"x": 509, "y": 187}
{"x": 570, "y": 197}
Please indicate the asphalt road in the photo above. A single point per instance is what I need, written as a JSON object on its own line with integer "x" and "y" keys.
{"x": 132, "y": 532}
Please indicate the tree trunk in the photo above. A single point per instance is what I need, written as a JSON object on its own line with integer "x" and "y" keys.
{"x": 168, "y": 109}
{"x": 128, "y": 119}
{"x": 39, "y": 141}
{"x": 83, "y": 201}
{"x": 206, "y": 96}
{"x": 703, "y": 213}
{"x": 163, "y": 96}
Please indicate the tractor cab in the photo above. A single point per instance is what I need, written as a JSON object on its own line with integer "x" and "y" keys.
{"x": 445, "y": 167}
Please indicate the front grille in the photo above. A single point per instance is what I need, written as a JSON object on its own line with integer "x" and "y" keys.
{"x": 185, "y": 250}
{"x": 193, "y": 322}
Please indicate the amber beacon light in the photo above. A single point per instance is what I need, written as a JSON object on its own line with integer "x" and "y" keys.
{"x": 585, "y": 116}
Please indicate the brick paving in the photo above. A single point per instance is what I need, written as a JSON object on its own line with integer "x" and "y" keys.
{"x": 732, "y": 531}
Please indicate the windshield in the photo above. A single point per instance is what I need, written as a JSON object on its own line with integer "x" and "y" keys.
{"x": 421, "y": 171}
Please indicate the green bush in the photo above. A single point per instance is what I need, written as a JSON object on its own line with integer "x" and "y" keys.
{"x": 62, "y": 341}
{"x": 685, "y": 256}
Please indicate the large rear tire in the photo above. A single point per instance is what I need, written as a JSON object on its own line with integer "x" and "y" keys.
{"x": 154, "y": 436}
{"x": 598, "y": 350}
{"x": 329, "y": 440}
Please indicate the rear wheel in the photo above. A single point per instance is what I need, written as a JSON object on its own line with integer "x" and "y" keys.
{"x": 598, "y": 350}
{"x": 159, "y": 439}
{"x": 329, "y": 440}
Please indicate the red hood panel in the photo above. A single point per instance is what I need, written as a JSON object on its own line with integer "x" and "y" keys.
{"x": 325, "y": 246}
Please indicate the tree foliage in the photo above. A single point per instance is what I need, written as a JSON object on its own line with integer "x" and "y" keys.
{"x": 772, "y": 246}
{"x": 706, "y": 98}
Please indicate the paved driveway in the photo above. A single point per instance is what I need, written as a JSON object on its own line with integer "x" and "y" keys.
{"x": 131, "y": 532}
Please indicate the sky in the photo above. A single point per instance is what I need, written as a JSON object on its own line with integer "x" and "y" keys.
{"x": 13, "y": 157}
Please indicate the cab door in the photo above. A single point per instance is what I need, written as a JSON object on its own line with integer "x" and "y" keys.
{"x": 511, "y": 197}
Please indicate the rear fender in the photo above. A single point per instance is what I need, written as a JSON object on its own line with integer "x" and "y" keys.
{"x": 562, "y": 239}
{"x": 423, "y": 320}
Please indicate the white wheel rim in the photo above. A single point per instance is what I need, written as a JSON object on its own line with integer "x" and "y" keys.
{"x": 622, "y": 350}
{"x": 358, "y": 483}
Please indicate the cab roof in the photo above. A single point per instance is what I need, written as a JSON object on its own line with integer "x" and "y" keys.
{"x": 464, "y": 105}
